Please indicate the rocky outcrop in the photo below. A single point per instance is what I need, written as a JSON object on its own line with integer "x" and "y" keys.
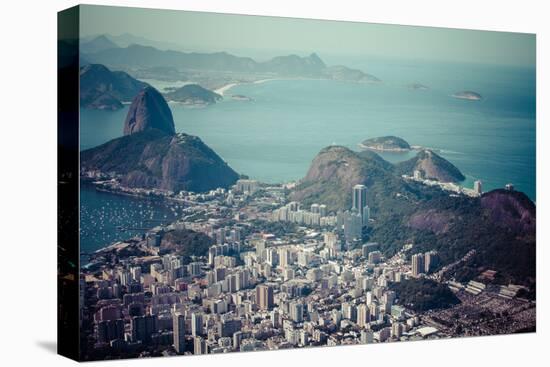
{"x": 151, "y": 155}
{"x": 153, "y": 159}
{"x": 343, "y": 73}
{"x": 511, "y": 210}
{"x": 101, "y": 88}
{"x": 336, "y": 169}
{"x": 433, "y": 167}
{"x": 149, "y": 111}
{"x": 294, "y": 65}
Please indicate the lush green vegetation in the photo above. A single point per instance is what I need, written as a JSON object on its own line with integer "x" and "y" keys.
{"x": 193, "y": 93}
{"x": 387, "y": 142}
{"x": 431, "y": 219}
{"x": 424, "y": 294}
{"x": 187, "y": 243}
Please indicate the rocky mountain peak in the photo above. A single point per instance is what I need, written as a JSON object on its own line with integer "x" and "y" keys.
{"x": 148, "y": 111}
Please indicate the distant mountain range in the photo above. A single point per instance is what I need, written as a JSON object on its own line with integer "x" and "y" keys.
{"x": 97, "y": 44}
{"x": 140, "y": 56}
{"x": 101, "y": 88}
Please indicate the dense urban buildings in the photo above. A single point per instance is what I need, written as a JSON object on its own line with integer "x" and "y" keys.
{"x": 272, "y": 279}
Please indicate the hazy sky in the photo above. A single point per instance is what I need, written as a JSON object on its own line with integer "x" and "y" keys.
{"x": 254, "y": 35}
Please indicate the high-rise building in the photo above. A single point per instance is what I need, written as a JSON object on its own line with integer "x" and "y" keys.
{"x": 396, "y": 330}
{"x": 417, "y": 261}
{"x": 331, "y": 242}
{"x": 178, "y": 321}
{"x": 366, "y": 215}
{"x": 108, "y": 330}
{"x": 246, "y": 186}
{"x": 431, "y": 259}
{"x": 359, "y": 198}
{"x": 362, "y": 315}
{"x": 367, "y": 336}
{"x": 369, "y": 247}
{"x": 478, "y": 187}
{"x": 353, "y": 224}
{"x": 284, "y": 258}
{"x": 143, "y": 327}
{"x": 374, "y": 257}
{"x": 323, "y": 210}
{"x": 264, "y": 297}
{"x": 297, "y": 312}
{"x": 196, "y": 324}
{"x": 200, "y": 346}
{"x": 418, "y": 175}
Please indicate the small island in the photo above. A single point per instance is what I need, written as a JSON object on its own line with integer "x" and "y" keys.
{"x": 240, "y": 97}
{"x": 417, "y": 86}
{"x": 193, "y": 94}
{"x": 386, "y": 144}
{"x": 469, "y": 95}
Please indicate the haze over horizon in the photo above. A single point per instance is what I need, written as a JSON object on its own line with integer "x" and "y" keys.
{"x": 264, "y": 37}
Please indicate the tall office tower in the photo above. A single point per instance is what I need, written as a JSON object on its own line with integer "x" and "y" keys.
{"x": 264, "y": 297}
{"x": 431, "y": 259}
{"x": 143, "y": 327}
{"x": 417, "y": 264}
{"x": 359, "y": 198}
{"x": 366, "y": 215}
{"x": 362, "y": 315}
{"x": 196, "y": 324}
{"x": 478, "y": 187}
{"x": 323, "y": 210}
{"x": 297, "y": 312}
{"x": 178, "y": 323}
{"x": 353, "y": 224}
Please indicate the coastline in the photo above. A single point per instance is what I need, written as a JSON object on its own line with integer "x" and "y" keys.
{"x": 222, "y": 90}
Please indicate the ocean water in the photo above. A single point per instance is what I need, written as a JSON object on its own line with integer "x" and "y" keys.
{"x": 275, "y": 137}
{"x": 106, "y": 218}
